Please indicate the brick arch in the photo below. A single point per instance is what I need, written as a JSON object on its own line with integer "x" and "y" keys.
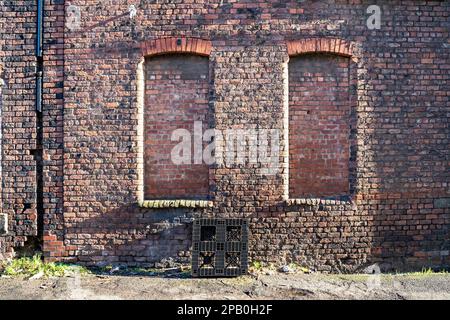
{"x": 321, "y": 45}
{"x": 176, "y": 45}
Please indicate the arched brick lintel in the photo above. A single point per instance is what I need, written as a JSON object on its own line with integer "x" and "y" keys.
{"x": 176, "y": 45}
{"x": 321, "y": 45}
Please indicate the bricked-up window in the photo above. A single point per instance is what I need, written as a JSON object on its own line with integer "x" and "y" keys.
{"x": 176, "y": 96}
{"x": 321, "y": 118}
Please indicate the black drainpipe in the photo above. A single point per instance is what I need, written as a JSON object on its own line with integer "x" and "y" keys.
{"x": 39, "y": 123}
{"x": 39, "y": 55}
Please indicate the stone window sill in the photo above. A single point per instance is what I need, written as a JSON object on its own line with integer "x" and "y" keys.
{"x": 176, "y": 204}
{"x": 316, "y": 201}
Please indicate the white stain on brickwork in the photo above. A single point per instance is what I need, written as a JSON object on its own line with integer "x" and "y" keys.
{"x": 132, "y": 10}
{"x": 73, "y": 20}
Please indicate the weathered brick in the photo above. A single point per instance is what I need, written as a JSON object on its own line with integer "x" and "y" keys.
{"x": 397, "y": 150}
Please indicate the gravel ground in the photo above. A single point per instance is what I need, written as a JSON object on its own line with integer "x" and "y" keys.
{"x": 266, "y": 286}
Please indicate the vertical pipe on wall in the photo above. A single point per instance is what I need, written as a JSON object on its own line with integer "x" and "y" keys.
{"x": 40, "y": 18}
{"x": 39, "y": 53}
{"x": 2, "y": 83}
{"x": 39, "y": 120}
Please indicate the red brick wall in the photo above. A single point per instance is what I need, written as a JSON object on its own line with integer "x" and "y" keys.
{"x": 53, "y": 132}
{"x": 397, "y": 210}
{"x": 18, "y": 119}
{"x": 92, "y": 179}
{"x": 176, "y": 95}
{"x": 319, "y": 126}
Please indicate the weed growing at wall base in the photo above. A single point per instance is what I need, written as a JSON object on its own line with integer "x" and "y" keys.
{"x": 34, "y": 266}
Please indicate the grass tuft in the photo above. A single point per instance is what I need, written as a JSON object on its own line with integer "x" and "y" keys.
{"x": 428, "y": 272}
{"x": 34, "y": 266}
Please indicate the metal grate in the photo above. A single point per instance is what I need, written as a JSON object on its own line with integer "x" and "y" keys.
{"x": 219, "y": 247}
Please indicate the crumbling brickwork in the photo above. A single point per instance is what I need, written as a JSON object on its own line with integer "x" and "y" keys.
{"x": 396, "y": 208}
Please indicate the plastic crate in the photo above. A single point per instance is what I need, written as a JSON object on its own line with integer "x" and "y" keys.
{"x": 219, "y": 247}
